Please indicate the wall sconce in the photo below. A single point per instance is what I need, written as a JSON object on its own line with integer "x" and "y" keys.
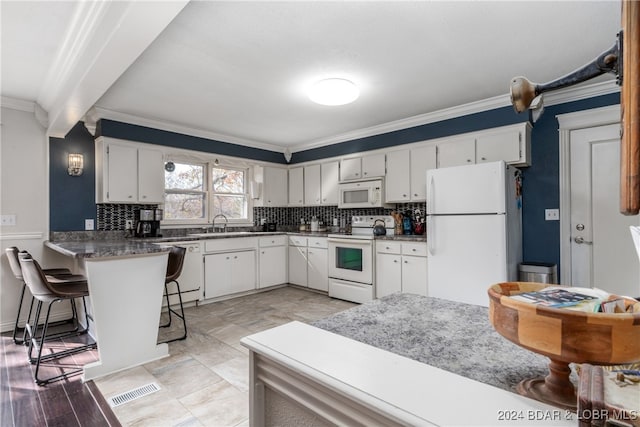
{"x": 76, "y": 163}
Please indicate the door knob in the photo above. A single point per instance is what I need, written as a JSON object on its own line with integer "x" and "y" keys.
{"x": 580, "y": 241}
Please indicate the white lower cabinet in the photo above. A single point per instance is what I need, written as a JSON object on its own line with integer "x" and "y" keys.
{"x": 317, "y": 268}
{"x": 298, "y": 260}
{"x": 401, "y": 267}
{"x": 308, "y": 262}
{"x": 272, "y": 259}
{"x": 230, "y": 266}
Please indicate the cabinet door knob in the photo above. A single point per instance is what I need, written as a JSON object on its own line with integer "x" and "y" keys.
{"x": 468, "y": 160}
{"x": 130, "y": 197}
{"x": 144, "y": 197}
{"x": 406, "y": 262}
{"x": 395, "y": 260}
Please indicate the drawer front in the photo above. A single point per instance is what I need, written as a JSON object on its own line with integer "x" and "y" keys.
{"x": 417, "y": 249}
{"x": 231, "y": 244}
{"x": 265, "y": 242}
{"x": 297, "y": 241}
{"x": 388, "y": 247}
{"x": 317, "y": 242}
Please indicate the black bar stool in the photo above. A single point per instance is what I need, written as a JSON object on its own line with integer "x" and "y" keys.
{"x": 174, "y": 269}
{"x": 59, "y": 275}
{"x": 47, "y": 292}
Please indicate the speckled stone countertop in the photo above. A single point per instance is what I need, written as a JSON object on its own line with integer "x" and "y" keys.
{"x": 452, "y": 336}
{"x": 405, "y": 237}
{"x": 105, "y": 248}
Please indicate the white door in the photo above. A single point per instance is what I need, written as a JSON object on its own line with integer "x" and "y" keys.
{"x": 602, "y": 251}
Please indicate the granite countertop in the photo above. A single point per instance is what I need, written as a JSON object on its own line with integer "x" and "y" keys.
{"x": 405, "y": 237}
{"x": 452, "y": 336}
{"x": 105, "y": 248}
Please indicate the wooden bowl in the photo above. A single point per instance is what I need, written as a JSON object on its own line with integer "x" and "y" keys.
{"x": 564, "y": 336}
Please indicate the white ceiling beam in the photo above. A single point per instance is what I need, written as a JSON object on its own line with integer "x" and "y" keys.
{"x": 103, "y": 40}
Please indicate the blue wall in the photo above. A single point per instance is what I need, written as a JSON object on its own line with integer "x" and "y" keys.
{"x": 72, "y": 199}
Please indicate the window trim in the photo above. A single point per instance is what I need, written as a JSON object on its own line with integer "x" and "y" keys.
{"x": 249, "y": 203}
{"x": 208, "y": 214}
{"x": 205, "y": 191}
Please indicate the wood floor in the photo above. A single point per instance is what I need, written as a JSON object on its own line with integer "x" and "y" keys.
{"x": 63, "y": 403}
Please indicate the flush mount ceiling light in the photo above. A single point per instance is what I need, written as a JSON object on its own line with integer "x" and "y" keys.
{"x": 334, "y": 92}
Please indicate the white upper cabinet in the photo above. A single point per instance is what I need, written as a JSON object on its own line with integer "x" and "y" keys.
{"x": 312, "y": 183}
{"x": 350, "y": 169}
{"x": 274, "y": 187}
{"x": 296, "y": 186}
{"x": 150, "y": 176}
{"x": 407, "y": 172}
{"x": 373, "y": 166}
{"x": 457, "y": 152}
{"x": 329, "y": 187}
{"x": 126, "y": 173}
{"x": 398, "y": 178}
{"x": 422, "y": 159}
{"x": 365, "y": 167}
{"x": 509, "y": 143}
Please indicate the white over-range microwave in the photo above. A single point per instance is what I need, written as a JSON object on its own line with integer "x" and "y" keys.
{"x": 361, "y": 194}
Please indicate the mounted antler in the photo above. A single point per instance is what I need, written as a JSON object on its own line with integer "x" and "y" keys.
{"x": 523, "y": 92}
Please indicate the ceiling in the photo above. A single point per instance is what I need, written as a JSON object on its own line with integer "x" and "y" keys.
{"x": 238, "y": 71}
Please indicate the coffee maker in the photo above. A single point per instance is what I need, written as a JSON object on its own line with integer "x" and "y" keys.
{"x": 155, "y": 224}
{"x": 144, "y": 223}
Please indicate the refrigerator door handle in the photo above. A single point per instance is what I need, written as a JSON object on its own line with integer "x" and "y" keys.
{"x": 432, "y": 197}
{"x": 430, "y": 236}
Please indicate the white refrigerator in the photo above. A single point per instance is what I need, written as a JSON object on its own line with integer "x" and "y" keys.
{"x": 474, "y": 230}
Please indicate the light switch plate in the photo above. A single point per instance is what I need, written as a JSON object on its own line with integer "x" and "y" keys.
{"x": 7, "y": 220}
{"x": 552, "y": 214}
{"x": 88, "y": 224}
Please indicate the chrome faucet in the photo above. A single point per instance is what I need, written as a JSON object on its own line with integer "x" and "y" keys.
{"x": 213, "y": 223}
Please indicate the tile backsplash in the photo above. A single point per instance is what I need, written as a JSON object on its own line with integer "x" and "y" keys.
{"x": 112, "y": 217}
{"x": 326, "y": 214}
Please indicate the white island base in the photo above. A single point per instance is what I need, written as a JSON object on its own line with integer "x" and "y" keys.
{"x": 302, "y": 375}
{"x": 126, "y": 299}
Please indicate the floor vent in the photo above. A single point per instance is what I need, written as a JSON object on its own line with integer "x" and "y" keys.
{"x": 134, "y": 394}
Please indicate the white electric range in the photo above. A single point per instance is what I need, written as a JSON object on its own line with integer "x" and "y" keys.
{"x": 351, "y": 259}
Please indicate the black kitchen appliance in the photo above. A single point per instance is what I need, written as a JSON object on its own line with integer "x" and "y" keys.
{"x": 148, "y": 222}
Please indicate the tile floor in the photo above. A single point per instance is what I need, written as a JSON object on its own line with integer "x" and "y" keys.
{"x": 205, "y": 380}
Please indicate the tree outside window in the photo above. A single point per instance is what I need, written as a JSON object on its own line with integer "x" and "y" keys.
{"x": 228, "y": 193}
{"x": 185, "y": 195}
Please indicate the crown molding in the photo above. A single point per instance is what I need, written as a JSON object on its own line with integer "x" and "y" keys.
{"x": 103, "y": 113}
{"x": 558, "y": 97}
{"x": 18, "y": 104}
{"x": 40, "y": 113}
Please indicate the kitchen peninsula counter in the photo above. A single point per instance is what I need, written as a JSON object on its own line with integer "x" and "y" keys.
{"x": 394, "y": 361}
{"x": 126, "y": 284}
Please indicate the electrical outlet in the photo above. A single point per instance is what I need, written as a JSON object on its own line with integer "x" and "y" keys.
{"x": 8, "y": 220}
{"x": 552, "y": 214}
{"x": 88, "y": 224}
{"x": 128, "y": 224}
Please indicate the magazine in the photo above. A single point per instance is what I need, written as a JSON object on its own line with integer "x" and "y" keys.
{"x": 554, "y": 297}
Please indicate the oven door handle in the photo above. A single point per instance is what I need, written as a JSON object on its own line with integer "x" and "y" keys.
{"x": 351, "y": 242}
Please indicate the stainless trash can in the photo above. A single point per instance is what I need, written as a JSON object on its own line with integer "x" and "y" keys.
{"x": 540, "y": 272}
